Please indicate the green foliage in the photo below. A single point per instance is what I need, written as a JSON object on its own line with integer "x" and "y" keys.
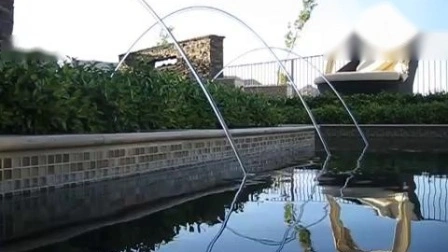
{"x": 163, "y": 36}
{"x": 282, "y": 78}
{"x": 42, "y": 97}
{"x": 299, "y": 23}
{"x": 304, "y": 236}
{"x": 294, "y": 31}
{"x": 46, "y": 98}
{"x": 386, "y": 108}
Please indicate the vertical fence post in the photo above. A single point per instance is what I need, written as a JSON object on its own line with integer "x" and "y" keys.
{"x": 251, "y": 75}
{"x": 292, "y": 70}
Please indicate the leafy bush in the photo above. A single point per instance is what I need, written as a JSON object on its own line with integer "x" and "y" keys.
{"x": 46, "y": 98}
{"x": 42, "y": 97}
{"x": 386, "y": 108}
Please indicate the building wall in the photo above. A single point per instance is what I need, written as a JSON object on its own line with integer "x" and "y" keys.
{"x": 269, "y": 90}
{"x": 6, "y": 23}
{"x": 205, "y": 54}
{"x": 273, "y": 90}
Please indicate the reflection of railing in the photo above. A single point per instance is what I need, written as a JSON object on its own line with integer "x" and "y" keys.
{"x": 303, "y": 188}
{"x": 432, "y": 192}
{"x": 431, "y": 76}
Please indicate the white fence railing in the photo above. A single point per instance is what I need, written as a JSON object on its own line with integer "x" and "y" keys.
{"x": 431, "y": 75}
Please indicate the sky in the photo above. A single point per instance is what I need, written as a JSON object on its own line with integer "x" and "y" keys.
{"x": 103, "y": 29}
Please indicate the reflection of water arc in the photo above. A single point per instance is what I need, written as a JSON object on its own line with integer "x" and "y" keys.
{"x": 352, "y": 172}
{"x": 217, "y": 114}
{"x": 288, "y": 239}
{"x": 212, "y": 104}
{"x": 302, "y": 206}
{"x": 361, "y": 133}
{"x": 210, "y": 8}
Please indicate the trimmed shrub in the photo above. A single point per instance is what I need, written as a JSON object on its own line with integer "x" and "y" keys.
{"x": 42, "y": 97}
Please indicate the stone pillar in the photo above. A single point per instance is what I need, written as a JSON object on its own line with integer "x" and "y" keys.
{"x": 6, "y": 22}
{"x": 216, "y": 55}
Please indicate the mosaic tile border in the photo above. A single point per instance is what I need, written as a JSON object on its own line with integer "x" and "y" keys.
{"x": 23, "y": 172}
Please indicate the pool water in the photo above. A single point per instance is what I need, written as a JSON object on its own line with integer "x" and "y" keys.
{"x": 395, "y": 202}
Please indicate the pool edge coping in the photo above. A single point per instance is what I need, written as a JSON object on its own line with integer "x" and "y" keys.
{"x": 25, "y": 142}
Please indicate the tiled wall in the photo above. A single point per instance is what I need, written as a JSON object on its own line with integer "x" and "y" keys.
{"x": 30, "y": 171}
{"x": 164, "y": 172}
{"x": 387, "y": 137}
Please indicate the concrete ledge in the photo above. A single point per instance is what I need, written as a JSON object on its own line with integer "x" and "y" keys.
{"x": 15, "y": 143}
{"x": 359, "y": 76}
{"x": 370, "y": 125}
{"x": 387, "y": 125}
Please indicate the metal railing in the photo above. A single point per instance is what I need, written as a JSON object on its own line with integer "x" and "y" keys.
{"x": 431, "y": 75}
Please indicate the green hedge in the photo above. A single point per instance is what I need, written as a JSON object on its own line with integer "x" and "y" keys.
{"x": 386, "y": 108}
{"x": 42, "y": 97}
{"x": 45, "y": 98}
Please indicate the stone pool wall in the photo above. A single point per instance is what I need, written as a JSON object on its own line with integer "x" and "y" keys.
{"x": 162, "y": 165}
{"x": 432, "y": 138}
{"x": 36, "y": 230}
{"x": 60, "y": 214}
{"x": 39, "y": 163}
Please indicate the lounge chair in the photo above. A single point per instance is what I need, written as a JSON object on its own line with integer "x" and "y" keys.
{"x": 371, "y": 77}
{"x": 381, "y": 31}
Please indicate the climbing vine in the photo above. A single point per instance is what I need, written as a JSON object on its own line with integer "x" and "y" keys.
{"x": 163, "y": 36}
{"x": 294, "y": 30}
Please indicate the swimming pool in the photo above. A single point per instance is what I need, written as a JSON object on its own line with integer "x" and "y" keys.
{"x": 395, "y": 197}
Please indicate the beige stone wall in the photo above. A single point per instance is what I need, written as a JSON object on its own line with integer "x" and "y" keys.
{"x": 205, "y": 53}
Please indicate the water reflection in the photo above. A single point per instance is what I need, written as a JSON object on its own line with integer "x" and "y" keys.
{"x": 152, "y": 232}
{"x": 228, "y": 214}
{"x": 290, "y": 211}
{"x": 389, "y": 194}
{"x": 401, "y": 206}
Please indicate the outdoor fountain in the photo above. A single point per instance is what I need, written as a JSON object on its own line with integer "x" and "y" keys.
{"x": 279, "y": 202}
{"x": 159, "y": 21}
{"x": 227, "y": 14}
{"x": 361, "y": 133}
